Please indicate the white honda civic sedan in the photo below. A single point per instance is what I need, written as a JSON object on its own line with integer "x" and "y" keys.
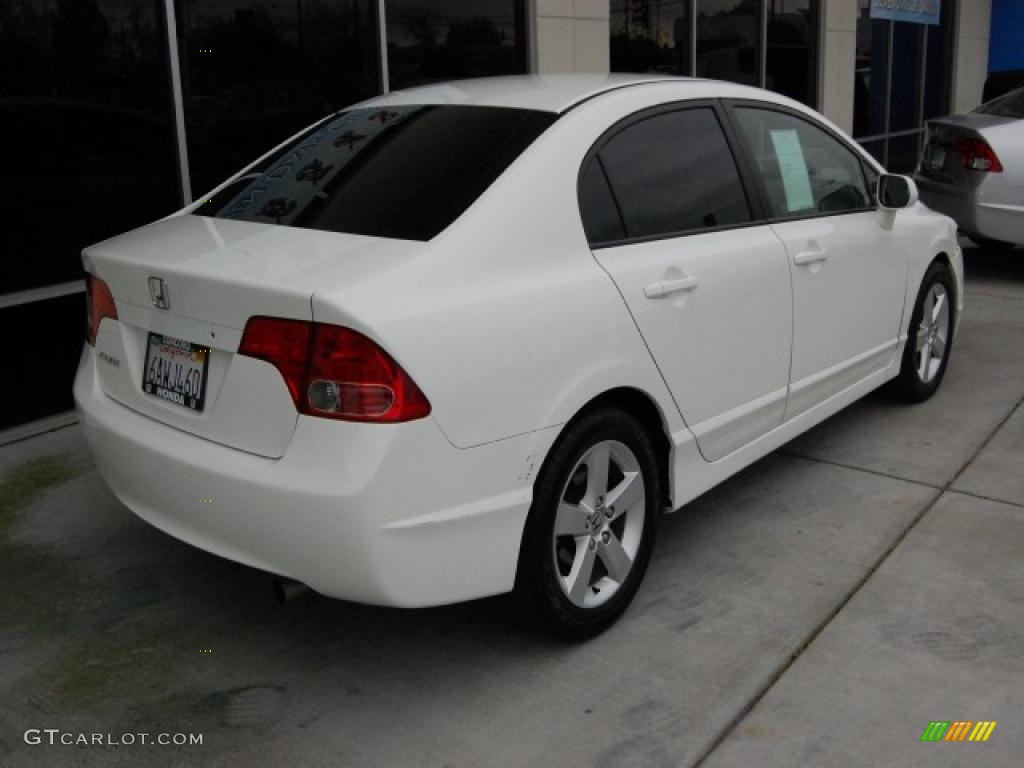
{"x": 476, "y": 337}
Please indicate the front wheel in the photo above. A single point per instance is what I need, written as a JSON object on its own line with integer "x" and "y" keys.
{"x": 592, "y": 526}
{"x": 930, "y": 337}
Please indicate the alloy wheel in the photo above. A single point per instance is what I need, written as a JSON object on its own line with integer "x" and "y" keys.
{"x": 599, "y": 524}
{"x": 932, "y": 334}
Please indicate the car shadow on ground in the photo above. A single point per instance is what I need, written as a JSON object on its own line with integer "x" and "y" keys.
{"x": 988, "y": 263}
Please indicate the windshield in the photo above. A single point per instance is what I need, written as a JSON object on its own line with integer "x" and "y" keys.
{"x": 403, "y": 172}
{"x": 1008, "y": 105}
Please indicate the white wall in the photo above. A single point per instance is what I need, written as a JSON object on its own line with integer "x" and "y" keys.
{"x": 974, "y": 24}
{"x": 569, "y": 36}
{"x": 838, "y": 60}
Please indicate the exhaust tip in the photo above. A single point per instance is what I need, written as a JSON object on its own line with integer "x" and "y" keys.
{"x": 287, "y": 590}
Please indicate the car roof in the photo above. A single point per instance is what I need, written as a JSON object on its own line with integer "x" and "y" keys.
{"x": 548, "y": 93}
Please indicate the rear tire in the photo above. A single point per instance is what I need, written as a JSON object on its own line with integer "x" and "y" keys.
{"x": 592, "y": 526}
{"x": 929, "y": 338}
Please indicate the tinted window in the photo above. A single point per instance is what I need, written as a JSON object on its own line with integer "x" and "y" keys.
{"x": 1010, "y": 105}
{"x": 431, "y": 40}
{"x": 907, "y": 77}
{"x": 601, "y": 220}
{"x": 653, "y": 36}
{"x": 871, "y": 73}
{"x": 674, "y": 172}
{"x": 872, "y": 178}
{"x": 85, "y": 109}
{"x": 791, "y": 57}
{"x": 803, "y": 168}
{"x": 729, "y": 40}
{"x": 405, "y": 172}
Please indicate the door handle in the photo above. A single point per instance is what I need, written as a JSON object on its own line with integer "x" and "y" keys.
{"x": 812, "y": 256}
{"x": 664, "y": 288}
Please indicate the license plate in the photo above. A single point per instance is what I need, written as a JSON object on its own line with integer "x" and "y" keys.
{"x": 936, "y": 158}
{"x": 175, "y": 371}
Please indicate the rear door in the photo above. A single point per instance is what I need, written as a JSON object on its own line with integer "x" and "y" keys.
{"x": 670, "y": 220}
{"x": 848, "y": 260}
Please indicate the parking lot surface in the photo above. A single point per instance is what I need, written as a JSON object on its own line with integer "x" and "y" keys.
{"x": 819, "y": 609}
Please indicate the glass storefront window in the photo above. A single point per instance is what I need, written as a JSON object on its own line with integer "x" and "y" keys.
{"x": 876, "y": 149}
{"x": 732, "y": 38}
{"x": 939, "y": 73}
{"x": 905, "y": 85}
{"x": 729, "y": 40}
{"x": 651, "y": 36}
{"x": 902, "y": 153}
{"x": 431, "y": 40}
{"x": 791, "y": 59}
{"x": 86, "y": 102}
{"x": 256, "y": 71}
{"x": 871, "y": 74}
{"x": 902, "y": 78}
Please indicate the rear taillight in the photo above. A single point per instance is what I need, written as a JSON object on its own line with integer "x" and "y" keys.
{"x": 335, "y": 372}
{"x": 978, "y": 155}
{"x": 283, "y": 343}
{"x": 99, "y": 302}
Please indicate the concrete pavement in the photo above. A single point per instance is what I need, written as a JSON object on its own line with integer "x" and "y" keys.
{"x": 818, "y": 609}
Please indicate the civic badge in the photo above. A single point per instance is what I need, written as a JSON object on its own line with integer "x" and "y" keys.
{"x": 159, "y": 294}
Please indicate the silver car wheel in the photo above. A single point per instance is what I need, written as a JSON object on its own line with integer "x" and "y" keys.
{"x": 599, "y": 524}
{"x": 933, "y": 334}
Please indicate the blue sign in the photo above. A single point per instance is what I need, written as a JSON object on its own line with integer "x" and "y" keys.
{"x": 914, "y": 11}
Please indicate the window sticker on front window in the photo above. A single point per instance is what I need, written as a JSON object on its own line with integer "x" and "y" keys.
{"x": 796, "y": 182}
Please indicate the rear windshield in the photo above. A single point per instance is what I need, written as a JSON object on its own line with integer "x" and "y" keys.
{"x": 1008, "y": 105}
{"x": 404, "y": 172}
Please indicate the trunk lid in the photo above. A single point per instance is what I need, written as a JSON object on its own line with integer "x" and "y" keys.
{"x": 198, "y": 280}
{"x": 941, "y": 161}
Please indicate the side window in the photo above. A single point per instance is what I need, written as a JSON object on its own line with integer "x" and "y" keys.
{"x": 601, "y": 220}
{"x": 804, "y": 169}
{"x": 872, "y": 176}
{"x": 670, "y": 173}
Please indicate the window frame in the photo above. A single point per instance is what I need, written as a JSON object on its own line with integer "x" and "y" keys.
{"x": 858, "y": 153}
{"x": 750, "y": 194}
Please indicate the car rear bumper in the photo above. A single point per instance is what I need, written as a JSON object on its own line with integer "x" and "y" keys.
{"x": 956, "y": 202}
{"x": 973, "y": 210}
{"x": 385, "y": 514}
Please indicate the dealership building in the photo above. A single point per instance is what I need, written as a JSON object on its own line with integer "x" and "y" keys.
{"x": 118, "y": 112}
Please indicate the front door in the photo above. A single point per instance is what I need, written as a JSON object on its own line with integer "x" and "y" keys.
{"x": 849, "y": 266}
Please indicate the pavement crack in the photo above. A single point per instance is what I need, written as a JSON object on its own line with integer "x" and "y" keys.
{"x": 816, "y": 632}
{"x": 865, "y": 470}
{"x": 983, "y": 497}
{"x": 36, "y": 429}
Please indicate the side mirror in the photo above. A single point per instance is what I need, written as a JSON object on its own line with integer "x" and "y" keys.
{"x": 895, "y": 193}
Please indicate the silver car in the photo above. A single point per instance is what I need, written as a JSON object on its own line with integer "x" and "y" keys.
{"x": 972, "y": 169}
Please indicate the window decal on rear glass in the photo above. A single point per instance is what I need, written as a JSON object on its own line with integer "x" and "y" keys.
{"x": 288, "y": 186}
{"x": 397, "y": 171}
{"x": 796, "y": 181}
